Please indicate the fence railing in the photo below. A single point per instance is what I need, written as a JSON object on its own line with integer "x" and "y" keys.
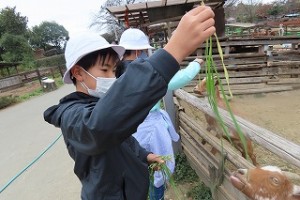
{"x": 29, "y": 76}
{"x": 197, "y": 144}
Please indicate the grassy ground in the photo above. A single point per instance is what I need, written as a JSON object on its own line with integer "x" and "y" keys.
{"x": 187, "y": 184}
{"x": 23, "y": 93}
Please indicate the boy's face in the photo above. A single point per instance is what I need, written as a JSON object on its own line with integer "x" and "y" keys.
{"x": 104, "y": 69}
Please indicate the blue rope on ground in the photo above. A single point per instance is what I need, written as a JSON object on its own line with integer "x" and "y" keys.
{"x": 23, "y": 170}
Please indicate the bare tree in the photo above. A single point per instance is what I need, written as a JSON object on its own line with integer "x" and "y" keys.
{"x": 105, "y": 22}
{"x": 250, "y": 7}
{"x": 230, "y": 7}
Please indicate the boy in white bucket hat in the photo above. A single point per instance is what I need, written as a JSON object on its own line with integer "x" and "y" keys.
{"x": 98, "y": 119}
{"x": 136, "y": 44}
{"x": 157, "y": 133}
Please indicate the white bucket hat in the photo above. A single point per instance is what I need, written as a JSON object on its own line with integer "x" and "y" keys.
{"x": 134, "y": 39}
{"x": 81, "y": 45}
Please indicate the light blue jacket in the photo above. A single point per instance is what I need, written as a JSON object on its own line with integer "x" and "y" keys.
{"x": 157, "y": 132}
{"x": 181, "y": 78}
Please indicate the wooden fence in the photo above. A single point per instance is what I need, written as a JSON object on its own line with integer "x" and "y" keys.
{"x": 197, "y": 144}
{"x": 262, "y": 70}
{"x": 29, "y": 76}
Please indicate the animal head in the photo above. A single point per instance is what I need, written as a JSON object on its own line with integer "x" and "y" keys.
{"x": 202, "y": 84}
{"x": 266, "y": 183}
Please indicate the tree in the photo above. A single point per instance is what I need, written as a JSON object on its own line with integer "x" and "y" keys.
{"x": 49, "y": 35}
{"x": 292, "y": 6}
{"x": 247, "y": 10}
{"x": 13, "y": 36}
{"x": 12, "y": 22}
{"x": 262, "y": 11}
{"x": 230, "y": 7}
{"x": 276, "y": 9}
{"x": 103, "y": 20}
{"x": 16, "y": 48}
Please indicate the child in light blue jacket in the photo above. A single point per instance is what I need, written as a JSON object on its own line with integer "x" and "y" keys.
{"x": 157, "y": 133}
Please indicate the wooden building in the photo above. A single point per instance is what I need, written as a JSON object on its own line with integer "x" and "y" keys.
{"x": 164, "y": 15}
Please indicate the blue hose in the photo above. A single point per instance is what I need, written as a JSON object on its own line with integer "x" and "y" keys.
{"x": 23, "y": 170}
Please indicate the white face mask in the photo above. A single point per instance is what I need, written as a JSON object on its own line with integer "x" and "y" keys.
{"x": 102, "y": 85}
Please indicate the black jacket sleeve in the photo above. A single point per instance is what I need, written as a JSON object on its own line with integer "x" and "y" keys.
{"x": 93, "y": 128}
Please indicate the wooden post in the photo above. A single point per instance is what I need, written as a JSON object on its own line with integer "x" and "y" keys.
{"x": 39, "y": 76}
{"x": 7, "y": 68}
{"x": 169, "y": 104}
{"x": 260, "y": 49}
{"x": 52, "y": 72}
{"x": 220, "y": 20}
{"x": 61, "y": 70}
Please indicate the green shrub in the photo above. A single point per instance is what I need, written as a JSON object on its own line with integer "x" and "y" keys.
{"x": 7, "y": 101}
{"x": 185, "y": 174}
{"x": 56, "y": 60}
{"x": 200, "y": 192}
{"x": 27, "y": 96}
{"x": 183, "y": 171}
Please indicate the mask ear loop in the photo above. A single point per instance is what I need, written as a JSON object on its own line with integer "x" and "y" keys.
{"x": 84, "y": 86}
{"x": 89, "y": 73}
{"x": 82, "y": 83}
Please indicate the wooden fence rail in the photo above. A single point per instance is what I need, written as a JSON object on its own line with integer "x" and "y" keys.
{"x": 197, "y": 143}
{"x": 30, "y": 76}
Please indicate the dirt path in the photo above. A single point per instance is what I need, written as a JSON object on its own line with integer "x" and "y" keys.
{"x": 276, "y": 112}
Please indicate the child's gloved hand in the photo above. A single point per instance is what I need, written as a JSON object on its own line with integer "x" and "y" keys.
{"x": 199, "y": 60}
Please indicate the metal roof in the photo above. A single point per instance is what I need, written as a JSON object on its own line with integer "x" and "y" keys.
{"x": 154, "y": 14}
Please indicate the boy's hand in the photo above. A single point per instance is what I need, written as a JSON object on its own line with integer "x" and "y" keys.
{"x": 193, "y": 29}
{"x": 153, "y": 158}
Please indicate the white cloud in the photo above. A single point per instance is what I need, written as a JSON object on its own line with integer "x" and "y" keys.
{"x": 74, "y": 15}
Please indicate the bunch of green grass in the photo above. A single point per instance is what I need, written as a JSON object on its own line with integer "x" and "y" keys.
{"x": 166, "y": 173}
{"x": 212, "y": 74}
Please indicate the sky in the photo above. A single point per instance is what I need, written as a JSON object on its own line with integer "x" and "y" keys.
{"x": 74, "y": 15}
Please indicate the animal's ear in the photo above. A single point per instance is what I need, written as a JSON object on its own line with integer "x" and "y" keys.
{"x": 296, "y": 192}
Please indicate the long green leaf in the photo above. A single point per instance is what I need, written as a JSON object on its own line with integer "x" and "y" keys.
{"x": 211, "y": 72}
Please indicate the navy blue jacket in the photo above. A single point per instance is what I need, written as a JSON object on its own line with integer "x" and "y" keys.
{"x": 108, "y": 161}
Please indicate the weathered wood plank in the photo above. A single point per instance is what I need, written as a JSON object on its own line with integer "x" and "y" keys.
{"x": 10, "y": 82}
{"x": 250, "y": 89}
{"x": 226, "y": 56}
{"x": 286, "y": 63}
{"x": 233, "y": 156}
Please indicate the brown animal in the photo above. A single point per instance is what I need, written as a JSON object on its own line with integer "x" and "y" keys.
{"x": 260, "y": 33}
{"x": 212, "y": 124}
{"x": 266, "y": 183}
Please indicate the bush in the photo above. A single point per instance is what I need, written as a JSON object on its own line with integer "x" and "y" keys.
{"x": 56, "y": 60}
{"x": 185, "y": 174}
{"x": 200, "y": 192}
{"x": 7, "y": 101}
{"x": 183, "y": 171}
